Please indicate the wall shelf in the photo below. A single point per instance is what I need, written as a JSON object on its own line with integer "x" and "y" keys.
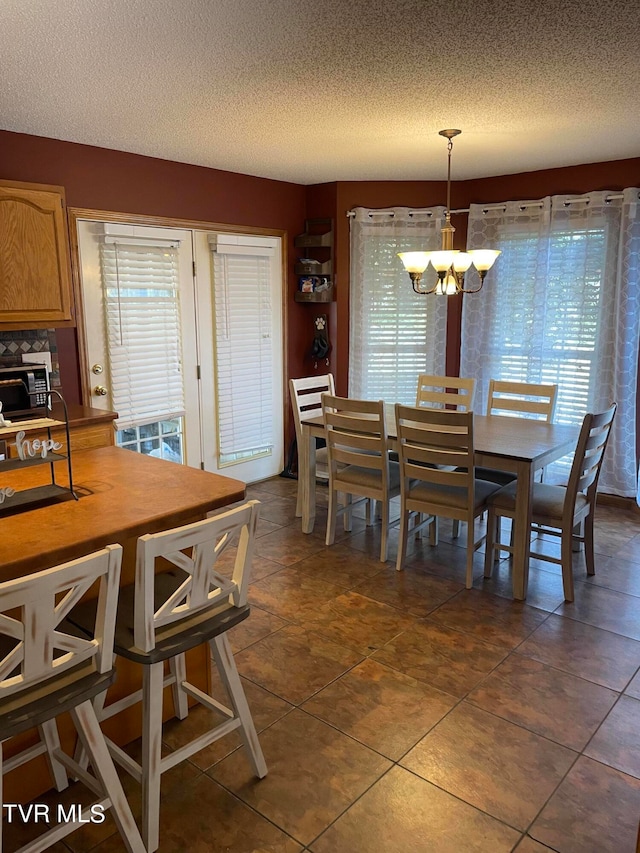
{"x": 50, "y": 490}
{"x": 317, "y": 237}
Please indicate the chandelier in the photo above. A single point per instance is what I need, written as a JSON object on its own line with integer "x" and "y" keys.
{"x": 449, "y": 263}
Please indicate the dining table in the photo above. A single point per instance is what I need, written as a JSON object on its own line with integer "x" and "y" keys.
{"x": 520, "y": 446}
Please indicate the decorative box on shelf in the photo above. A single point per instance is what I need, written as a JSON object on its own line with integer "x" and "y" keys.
{"x": 314, "y": 295}
{"x": 20, "y": 452}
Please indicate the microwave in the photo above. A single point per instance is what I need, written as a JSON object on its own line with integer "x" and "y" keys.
{"x": 24, "y": 390}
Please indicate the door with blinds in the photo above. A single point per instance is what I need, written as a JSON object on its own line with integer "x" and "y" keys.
{"x": 239, "y": 294}
{"x": 172, "y": 350}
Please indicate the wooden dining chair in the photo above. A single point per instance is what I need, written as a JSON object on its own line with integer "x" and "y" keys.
{"x": 437, "y": 479}
{"x": 162, "y": 616}
{"x": 529, "y": 398}
{"x": 46, "y": 671}
{"x": 451, "y": 392}
{"x": 306, "y": 402}
{"x": 456, "y": 393}
{"x": 510, "y": 399}
{"x": 560, "y": 510}
{"x": 359, "y": 462}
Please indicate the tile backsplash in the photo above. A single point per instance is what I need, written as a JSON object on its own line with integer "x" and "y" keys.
{"x": 14, "y": 344}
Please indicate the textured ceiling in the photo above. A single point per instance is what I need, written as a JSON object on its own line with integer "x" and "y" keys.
{"x": 312, "y": 91}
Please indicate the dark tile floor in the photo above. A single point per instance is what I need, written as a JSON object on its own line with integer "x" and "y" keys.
{"x": 400, "y": 713}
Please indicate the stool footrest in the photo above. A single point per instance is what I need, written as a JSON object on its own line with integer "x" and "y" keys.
{"x": 206, "y": 700}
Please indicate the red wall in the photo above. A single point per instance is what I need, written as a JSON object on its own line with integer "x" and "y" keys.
{"x": 101, "y": 179}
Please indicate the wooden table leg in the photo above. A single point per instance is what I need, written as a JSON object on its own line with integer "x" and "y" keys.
{"x": 307, "y": 479}
{"x": 522, "y": 535}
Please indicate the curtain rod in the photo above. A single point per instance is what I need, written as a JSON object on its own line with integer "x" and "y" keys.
{"x": 523, "y": 205}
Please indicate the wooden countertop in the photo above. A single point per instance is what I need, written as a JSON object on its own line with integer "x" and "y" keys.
{"x": 78, "y": 416}
{"x": 123, "y": 495}
{"x": 83, "y": 415}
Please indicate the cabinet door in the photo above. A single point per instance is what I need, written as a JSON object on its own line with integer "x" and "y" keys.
{"x": 35, "y": 281}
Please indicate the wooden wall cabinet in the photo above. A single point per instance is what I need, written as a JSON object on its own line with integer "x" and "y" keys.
{"x": 35, "y": 274}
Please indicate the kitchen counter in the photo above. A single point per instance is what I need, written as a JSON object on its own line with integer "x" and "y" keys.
{"x": 83, "y": 415}
{"x": 122, "y": 495}
{"x": 88, "y": 427}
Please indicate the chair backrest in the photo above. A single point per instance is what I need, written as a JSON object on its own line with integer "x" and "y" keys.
{"x": 589, "y": 454}
{"x": 436, "y": 446}
{"x": 524, "y": 398}
{"x": 356, "y": 434}
{"x": 194, "y": 548}
{"x": 306, "y": 397}
{"x": 440, "y": 392}
{"x": 35, "y": 648}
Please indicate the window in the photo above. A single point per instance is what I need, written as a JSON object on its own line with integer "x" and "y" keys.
{"x": 140, "y": 289}
{"x": 561, "y": 305}
{"x": 549, "y": 334}
{"x": 243, "y": 271}
{"x": 395, "y": 334}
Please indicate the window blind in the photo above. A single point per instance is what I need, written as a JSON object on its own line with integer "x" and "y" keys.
{"x": 542, "y": 325}
{"x": 562, "y": 319}
{"x": 244, "y": 363}
{"x": 561, "y": 306}
{"x": 142, "y": 318}
{"x": 395, "y": 334}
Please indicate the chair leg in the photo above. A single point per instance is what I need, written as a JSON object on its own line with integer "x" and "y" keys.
{"x": 49, "y": 736}
{"x": 566, "y": 556}
{"x": 223, "y": 656}
{"x": 434, "y": 531}
{"x": 578, "y": 531}
{"x": 178, "y": 670}
{"x": 86, "y": 723}
{"x": 348, "y": 513}
{"x": 419, "y": 518}
{"x": 589, "y": 552}
{"x": 299, "y": 500}
{"x": 384, "y": 534}
{"x": 402, "y": 539}
{"x": 80, "y": 754}
{"x": 152, "y": 680}
{"x": 332, "y": 514}
{"x": 470, "y": 552}
{"x": 493, "y": 523}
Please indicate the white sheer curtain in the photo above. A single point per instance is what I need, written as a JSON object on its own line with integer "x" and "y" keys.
{"x": 395, "y": 334}
{"x": 562, "y": 304}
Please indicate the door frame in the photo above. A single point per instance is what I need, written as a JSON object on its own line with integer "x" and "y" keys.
{"x": 77, "y": 213}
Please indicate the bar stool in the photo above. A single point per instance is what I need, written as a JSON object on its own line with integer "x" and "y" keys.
{"x": 45, "y": 671}
{"x": 162, "y": 616}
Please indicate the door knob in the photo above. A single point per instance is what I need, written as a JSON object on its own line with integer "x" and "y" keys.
{"x": 97, "y": 369}
{"x": 100, "y": 390}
